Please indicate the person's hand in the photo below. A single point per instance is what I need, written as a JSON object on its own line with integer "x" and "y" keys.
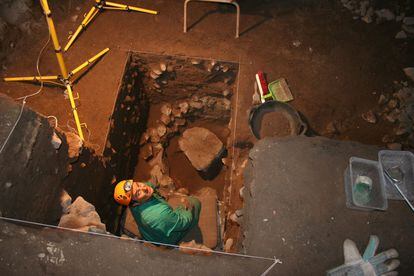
{"x": 370, "y": 264}
{"x": 186, "y": 203}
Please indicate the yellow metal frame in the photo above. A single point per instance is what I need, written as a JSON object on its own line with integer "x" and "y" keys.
{"x": 99, "y": 6}
{"x": 65, "y": 77}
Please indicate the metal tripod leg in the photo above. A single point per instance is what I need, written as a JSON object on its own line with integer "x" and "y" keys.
{"x": 126, "y": 7}
{"x": 34, "y": 78}
{"x": 74, "y": 110}
{"x": 88, "y": 18}
{"x": 88, "y": 62}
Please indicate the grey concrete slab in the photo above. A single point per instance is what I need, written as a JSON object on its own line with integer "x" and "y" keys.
{"x": 295, "y": 207}
{"x": 31, "y": 251}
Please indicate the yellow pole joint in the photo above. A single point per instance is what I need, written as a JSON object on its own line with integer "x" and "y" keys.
{"x": 74, "y": 110}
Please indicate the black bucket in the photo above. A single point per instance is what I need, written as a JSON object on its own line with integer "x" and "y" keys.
{"x": 297, "y": 126}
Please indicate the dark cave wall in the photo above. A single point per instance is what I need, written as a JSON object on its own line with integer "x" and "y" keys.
{"x": 128, "y": 122}
{"x": 33, "y": 173}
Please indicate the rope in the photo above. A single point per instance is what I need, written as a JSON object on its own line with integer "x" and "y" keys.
{"x": 274, "y": 260}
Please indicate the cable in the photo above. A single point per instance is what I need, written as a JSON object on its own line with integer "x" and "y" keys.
{"x": 56, "y": 120}
{"x": 27, "y": 96}
{"x": 276, "y": 261}
{"x": 38, "y": 72}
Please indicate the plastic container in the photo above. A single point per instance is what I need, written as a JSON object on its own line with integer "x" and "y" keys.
{"x": 404, "y": 160}
{"x": 364, "y": 185}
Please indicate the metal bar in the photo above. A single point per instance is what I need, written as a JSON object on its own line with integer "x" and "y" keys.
{"x": 56, "y": 45}
{"x": 74, "y": 110}
{"x": 91, "y": 14}
{"x": 88, "y": 62}
{"x": 34, "y": 78}
{"x": 132, "y": 8}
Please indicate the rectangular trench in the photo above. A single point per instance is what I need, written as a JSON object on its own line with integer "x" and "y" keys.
{"x": 158, "y": 99}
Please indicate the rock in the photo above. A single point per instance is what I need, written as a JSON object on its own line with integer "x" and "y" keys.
{"x": 296, "y": 43}
{"x": 394, "y": 146}
{"x": 370, "y": 117}
{"x": 409, "y": 72}
{"x": 382, "y": 99}
{"x": 387, "y": 138}
{"x": 233, "y": 217}
{"x": 153, "y": 133}
{"x": 401, "y": 130}
{"x": 65, "y": 201}
{"x": 226, "y": 92}
{"x": 163, "y": 67}
{"x": 160, "y": 161}
{"x": 201, "y": 146}
{"x": 184, "y": 106}
{"x": 165, "y": 119}
{"x": 368, "y": 16}
{"x": 81, "y": 216}
{"x": 256, "y": 99}
{"x": 226, "y": 104}
{"x": 385, "y": 14}
{"x": 75, "y": 144}
{"x": 408, "y": 29}
{"x": 193, "y": 248}
{"x": 156, "y": 174}
{"x": 166, "y": 109}
{"x": 144, "y": 138}
{"x": 166, "y": 182}
{"x": 180, "y": 122}
{"x": 241, "y": 192}
{"x": 195, "y": 61}
{"x": 176, "y": 112}
{"x": 239, "y": 213}
{"x": 157, "y": 72}
{"x": 196, "y": 105}
{"x": 363, "y": 7}
{"x": 393, "y": 116}
{"x": 156, "y": 148}
{"x": 56, "y": 141}
{"x": 408, "y": 21}
{"x": 146, "y": 151}
{"x": 161, "y": 130}
{"x": 228, "y": 245}
{"x": 154, "y": 75}
{"x": 401, "y": 35}
{"x": 392, "y": 104}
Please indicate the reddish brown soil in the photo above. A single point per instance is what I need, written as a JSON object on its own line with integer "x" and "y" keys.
{"x": 274, "y": 124}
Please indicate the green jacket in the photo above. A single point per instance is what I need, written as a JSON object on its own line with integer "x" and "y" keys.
{"x": 158, "y": 222}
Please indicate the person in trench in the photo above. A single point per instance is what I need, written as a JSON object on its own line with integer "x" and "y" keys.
{"x": 157, "y": 221}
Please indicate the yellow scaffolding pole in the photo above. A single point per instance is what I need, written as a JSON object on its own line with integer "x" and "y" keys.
{"x": 64, "y": 79}
{"x": 98, "y": 7}
{"x": 52, "y": 30}
{"x": 132, "y": 8}
{"x": 74, "y": 110}
{"x": 34, "y": 78}
{"x": 88, "y": 18}
{"x": 88, "y": 62}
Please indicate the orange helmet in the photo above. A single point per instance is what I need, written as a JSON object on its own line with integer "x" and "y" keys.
{"x": 123, "y": 191}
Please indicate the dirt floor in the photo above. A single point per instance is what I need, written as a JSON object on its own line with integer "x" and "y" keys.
{"x": 336, "y": 73}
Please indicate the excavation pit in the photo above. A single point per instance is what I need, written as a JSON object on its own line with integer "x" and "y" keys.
{"x": 160, "y": 97}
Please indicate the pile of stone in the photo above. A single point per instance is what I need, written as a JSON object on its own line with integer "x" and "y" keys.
{"x": 366, "y": 11}
{"x": 80, "y": 215}
{"x": 396, "y": 108}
